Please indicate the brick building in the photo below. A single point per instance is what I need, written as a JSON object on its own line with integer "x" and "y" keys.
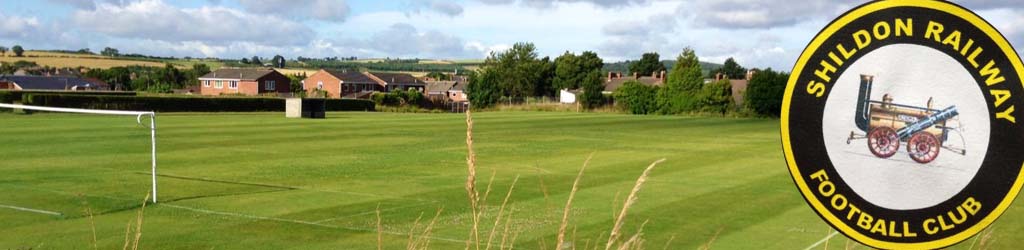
{"x": 250, "y": 81}
{"x": 352, "y": 84}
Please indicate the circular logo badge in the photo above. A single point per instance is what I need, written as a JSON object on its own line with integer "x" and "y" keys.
{"x": 899, "y": 124}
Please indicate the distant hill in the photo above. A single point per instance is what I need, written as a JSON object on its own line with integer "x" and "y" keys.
{"x": 624, "y": 66}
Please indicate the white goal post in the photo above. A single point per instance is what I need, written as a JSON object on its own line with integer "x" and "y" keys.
{"x": 138, "y": 118}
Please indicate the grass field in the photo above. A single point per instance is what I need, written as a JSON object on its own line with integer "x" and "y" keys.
{"x": 261, "y": 181}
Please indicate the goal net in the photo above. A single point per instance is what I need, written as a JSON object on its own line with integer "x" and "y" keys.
{"x": 141, "y": 117}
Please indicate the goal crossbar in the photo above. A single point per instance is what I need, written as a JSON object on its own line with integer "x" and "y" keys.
{"x": 138, "y": 118}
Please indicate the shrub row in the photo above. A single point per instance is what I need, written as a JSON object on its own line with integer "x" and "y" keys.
{"x": 181, "y": 104}
{"x": 9, "y": 96}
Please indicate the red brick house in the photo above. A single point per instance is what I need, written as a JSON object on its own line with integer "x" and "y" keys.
{"x": 250, "y": 81}
{"x": 352, "y": 84}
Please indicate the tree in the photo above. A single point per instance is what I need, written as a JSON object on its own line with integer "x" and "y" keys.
{"x": 592, "y": 88}
{"x": 637, "y": 98}
{"x": 648, "y": 64}
{"x": 518, "y": 73}
{"x": 682, "y": 85}
{"x": 256, "y": 60}
{"x": 3, "y": 51}
{"x": 111, "y": 52}
{"x": 570, "y": 70}
{"x": 439, "y": 76}
{"x": 716, "y": 97}
{"x": 245, "y": 61}
{"x": 686, "y": 74}
{"x": 731, "y": 70}
{"x": 764, "y": 92}
{"x": 18, "y": 51}
{"x": 279, "y": 61}
{"x": 198, "y": 70}
{"x": 483, "y": 90}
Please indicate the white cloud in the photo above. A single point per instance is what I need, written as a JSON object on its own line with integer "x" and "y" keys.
{"x": 80, "y": 4}
{"x": 324, "y": 10}
{"x": 445, "y": 7}
{"x": 551, "y": 3}
{"x": 749, "y": 14}
{"x": 156, "y": 20}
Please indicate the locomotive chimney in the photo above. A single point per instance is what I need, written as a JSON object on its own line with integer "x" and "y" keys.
{"x": 863, "y": 97}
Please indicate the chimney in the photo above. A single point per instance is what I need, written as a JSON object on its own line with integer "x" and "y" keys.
{"x": 750, "y": 74}
{"x": 635, "y": 76}
{"x": 610, "y": 75}
{"x": 662, "y": 75}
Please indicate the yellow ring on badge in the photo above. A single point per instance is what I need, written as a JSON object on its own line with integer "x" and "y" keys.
{"x": 827, "y": 33}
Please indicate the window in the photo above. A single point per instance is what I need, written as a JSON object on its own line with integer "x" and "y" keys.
{"x": 219, "y": 84}
{"x": 270, "y": 85}
{"x": 233, "y": 84}
{"x": 346, "y": 87}
{"x": 206, "y": 83}
{"x": 319, "y": 85}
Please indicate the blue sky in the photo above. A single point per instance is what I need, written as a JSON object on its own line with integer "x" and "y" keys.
{"x": 758, "y": 33}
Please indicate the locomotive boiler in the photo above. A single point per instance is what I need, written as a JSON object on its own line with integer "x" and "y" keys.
{"x": 887, "y": 125}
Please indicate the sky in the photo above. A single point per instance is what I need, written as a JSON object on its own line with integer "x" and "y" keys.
{"x": 757, "y": 33}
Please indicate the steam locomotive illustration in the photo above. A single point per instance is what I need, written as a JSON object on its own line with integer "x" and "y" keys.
{"x": 888, "y": 125}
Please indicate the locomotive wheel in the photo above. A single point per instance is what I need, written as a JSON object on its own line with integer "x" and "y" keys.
{"x": 923, "y": 147}
{"x": 883, "y": 142}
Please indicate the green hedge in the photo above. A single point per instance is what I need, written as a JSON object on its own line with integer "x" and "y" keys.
{"x": 350, "y": 105}
{"x": 181, "y": 104}
{"x": 7, "y": 96}
{"x": 11, "y": 96}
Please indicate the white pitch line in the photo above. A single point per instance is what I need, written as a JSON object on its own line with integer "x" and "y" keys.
{"x": 833, "y": 234}
{"x": 31, "y": 210}
{"x": 371, "y": 212}
{"x": 257, "y": 217}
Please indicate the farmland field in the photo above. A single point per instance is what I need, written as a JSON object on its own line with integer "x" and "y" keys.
{"x": 261, "y": 181}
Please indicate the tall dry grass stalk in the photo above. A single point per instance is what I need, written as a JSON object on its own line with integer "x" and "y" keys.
{"x": 137, "y": 228}
{"x": 471, "y": 184}
{"x": 707, "y": 245}
{"x": 412, "y": 232}
{"x": 828, "y": 232}
{"x": 568, "y": 203}
{"x": 669, "y": 242}
{"x": 635, "y": 242}
{"x": 630, "y": 200}
{"x": 501, "y": 211}
{"x": 423, "y": 241}
{"x": 92, "y": 221}
{"x": 487, "y": 192}
{"x": 380, "y": 230}
{"x": 983, "y": 239}
{"x": 505, "y": 233}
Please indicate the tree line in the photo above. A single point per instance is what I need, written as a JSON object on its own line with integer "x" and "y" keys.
{"x": 519, "y": 73}
{"x": 151, "y": 79}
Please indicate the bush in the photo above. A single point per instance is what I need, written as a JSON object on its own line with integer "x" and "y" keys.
{"x": 181, "y": 104}
{"x": 349, "y": 105}
{"x": 765, "y": 91}
{"x": 12, "y": 96}
{"x": 716, "y": 97}
{"x": 637, "y": 98}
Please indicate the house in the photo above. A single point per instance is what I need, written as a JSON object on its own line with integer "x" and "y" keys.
{"x": 393, "y": 81}
{"x": 449, "y": 91}
{"x": 615, "y": 80}
{"x": 354, "y": 84}
{"x": 342, "y": 83}
{"x": 10, "y": 82}
{"x": 244, "y": 81}
{"x": 458, "y": 92}
{"x": 739, "y": 86}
